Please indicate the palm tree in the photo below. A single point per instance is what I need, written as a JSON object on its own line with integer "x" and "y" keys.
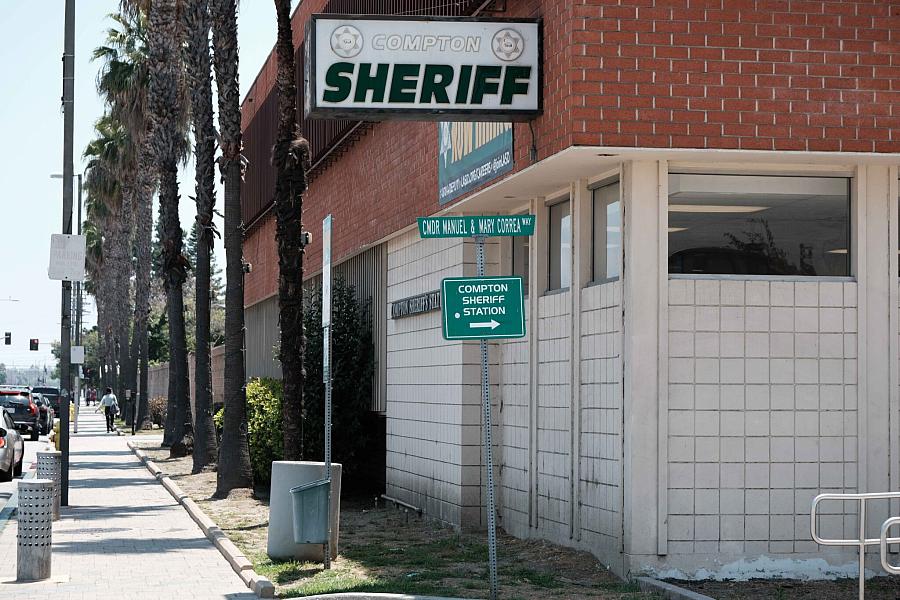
{"x": 109, "y": 155}
{"x": 165, "y": 36}
{"x": 196, "y": 23}
{"x": 123, "y": 80}
{"x": 290, "y": 157}
{"x": 96, "y": 222}
{"x": 234, "y": 470}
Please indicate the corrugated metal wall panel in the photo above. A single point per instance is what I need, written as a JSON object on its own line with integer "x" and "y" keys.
{"x": 367, "y": 272}
{"x": 262, "y": 336}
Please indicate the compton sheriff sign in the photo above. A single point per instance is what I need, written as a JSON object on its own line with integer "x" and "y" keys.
{"x": 418, "y": 68}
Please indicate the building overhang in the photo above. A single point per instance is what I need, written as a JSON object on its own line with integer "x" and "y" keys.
{"x": 553, "y": 175}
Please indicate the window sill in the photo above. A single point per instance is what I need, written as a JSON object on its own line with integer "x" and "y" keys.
{"x": 555, "y": 292}
{"x": 601, "y": 282}
{"x": 760, "y": 277}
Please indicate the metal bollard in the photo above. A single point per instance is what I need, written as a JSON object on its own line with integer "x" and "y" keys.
{"x": 35, "y": 532}
{"x": 49, "y": 466}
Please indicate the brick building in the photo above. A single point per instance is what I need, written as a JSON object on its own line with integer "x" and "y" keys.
{"x": 712, "y": 316}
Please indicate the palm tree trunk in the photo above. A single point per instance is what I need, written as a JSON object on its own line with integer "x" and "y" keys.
{"x": 234, "y": 470}
{"x": 198, "y": 71}
{"x": 122, "y": 270}
{"x": 174, "y": 274}
{"x": 165, "y": 35}
{"x": 143, "y": 272}
{"x": 289, "y": 157}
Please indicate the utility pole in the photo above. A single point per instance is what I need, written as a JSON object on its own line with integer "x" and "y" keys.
{"x": 65, "y": 372}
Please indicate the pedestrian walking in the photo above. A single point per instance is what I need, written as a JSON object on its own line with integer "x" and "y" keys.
{"x": 110, "y": 405}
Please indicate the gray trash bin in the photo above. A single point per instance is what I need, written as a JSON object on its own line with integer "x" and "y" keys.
{"x": 35, "y": 529}
{"x": 311, "y": 512}
{"x": 49, "y": 466}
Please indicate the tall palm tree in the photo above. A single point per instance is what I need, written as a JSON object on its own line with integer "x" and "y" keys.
{"x": 234, "y": 470}
{"x": 96, "y": 222}
{"x": 290, "y": 157}
{"x": 165, "y": 35}
{"x": 123, "y": 80}
{"x": 197, "y": 60}
{"x": 108, "y": 155}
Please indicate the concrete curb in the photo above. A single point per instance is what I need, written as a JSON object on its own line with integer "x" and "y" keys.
{"x": 668, "y": 590}
{"x": 241, "y": 565}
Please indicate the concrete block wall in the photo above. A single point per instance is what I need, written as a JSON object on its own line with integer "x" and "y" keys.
{"x": 434, "y": 458}
{"x": 762, "y": 413}
{"x": 513, "y": 452}
{"x": 600, "y": 466}
{"x": 158, "y": 377}
{"x": 554, "y": 416}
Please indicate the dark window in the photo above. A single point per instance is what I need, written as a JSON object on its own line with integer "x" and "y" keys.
{"x": 607, "y": 233}
{"x": 759, "y": 225}
{"x": 560, "y": 263}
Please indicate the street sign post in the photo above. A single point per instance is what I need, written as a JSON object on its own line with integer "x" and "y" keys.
{"x": 326, "y": 367}
{"x": 483, "y": 308}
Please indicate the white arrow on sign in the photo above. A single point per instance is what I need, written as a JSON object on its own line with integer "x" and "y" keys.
{"x": 492, "y": 324}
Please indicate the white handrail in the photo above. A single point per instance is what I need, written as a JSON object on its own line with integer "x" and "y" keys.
{"x": 862, "y": 541}
{"x": 885, "y": 540}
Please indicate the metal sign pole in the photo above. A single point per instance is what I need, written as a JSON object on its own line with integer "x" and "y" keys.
{"x": 326, "y": 367}
{"x": 488, "y": 443}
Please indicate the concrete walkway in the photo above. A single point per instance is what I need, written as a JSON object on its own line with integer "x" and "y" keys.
{"x": 123, "y": 537}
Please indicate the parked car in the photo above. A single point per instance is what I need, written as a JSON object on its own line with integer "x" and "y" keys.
{"x": 20, "y": 405}
{"x": 46, "y": 412}
{"x": 12, "y": 448}
{"x": 51, "y": 394}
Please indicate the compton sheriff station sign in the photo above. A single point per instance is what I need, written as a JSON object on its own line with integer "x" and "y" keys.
{"x": 465, "y": 69}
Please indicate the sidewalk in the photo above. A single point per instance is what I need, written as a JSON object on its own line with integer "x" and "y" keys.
{"x": 122, "y": 537}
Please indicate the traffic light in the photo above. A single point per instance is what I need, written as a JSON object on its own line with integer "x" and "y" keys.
{"x": 8, "y": 338}
{"x": 33, "y": 344}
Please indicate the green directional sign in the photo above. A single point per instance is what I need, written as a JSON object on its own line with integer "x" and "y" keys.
{"x": 483, "y": 308}
{"x": 467, "y": 226}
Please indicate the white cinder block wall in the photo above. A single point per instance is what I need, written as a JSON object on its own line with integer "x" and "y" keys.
{"x": 703, "y": 413}
{"x": 434, "y": 457}
{"x": 424, "y": 383}
{"x": 599, "y": 519}
{"x": 554, "y": 416}
{"x": 762, "y": 413}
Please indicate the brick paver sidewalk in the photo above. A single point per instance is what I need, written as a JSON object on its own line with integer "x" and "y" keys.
{"x": 123, "y": 537}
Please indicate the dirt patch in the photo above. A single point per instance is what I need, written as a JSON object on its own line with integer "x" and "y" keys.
{"x": 383, "y": 549}
{"x": 877, "y": 588}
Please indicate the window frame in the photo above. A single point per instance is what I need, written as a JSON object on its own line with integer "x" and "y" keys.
{"x": 792, "y": 171}
{"x": 564, "y": 199}
{"x": 606, "y": 182}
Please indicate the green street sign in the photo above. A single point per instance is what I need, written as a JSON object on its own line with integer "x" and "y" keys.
{"x": 467, "y": 226}
{"x": 482, "y": 308}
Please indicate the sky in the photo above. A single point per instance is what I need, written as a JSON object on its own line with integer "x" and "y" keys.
{"x": 31, "y": 123}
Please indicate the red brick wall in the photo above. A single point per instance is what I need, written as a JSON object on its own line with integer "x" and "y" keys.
{"x": 739, "y": 74}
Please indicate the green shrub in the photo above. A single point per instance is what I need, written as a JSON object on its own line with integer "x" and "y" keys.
{"x": 352, "y": 368}
{"x": 352, "y": 365}
{"x": 264, "y": 426}
{"x": 158, "y": 410}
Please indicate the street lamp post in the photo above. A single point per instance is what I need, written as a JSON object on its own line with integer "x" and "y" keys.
{"x": 65, "y": 374}
{"x": 76, "y": 304}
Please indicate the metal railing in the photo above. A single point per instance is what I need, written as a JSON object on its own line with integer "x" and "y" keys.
{"x": 862, "y": 541}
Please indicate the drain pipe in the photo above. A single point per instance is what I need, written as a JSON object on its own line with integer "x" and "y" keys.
{"x": 402, "y": 503}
